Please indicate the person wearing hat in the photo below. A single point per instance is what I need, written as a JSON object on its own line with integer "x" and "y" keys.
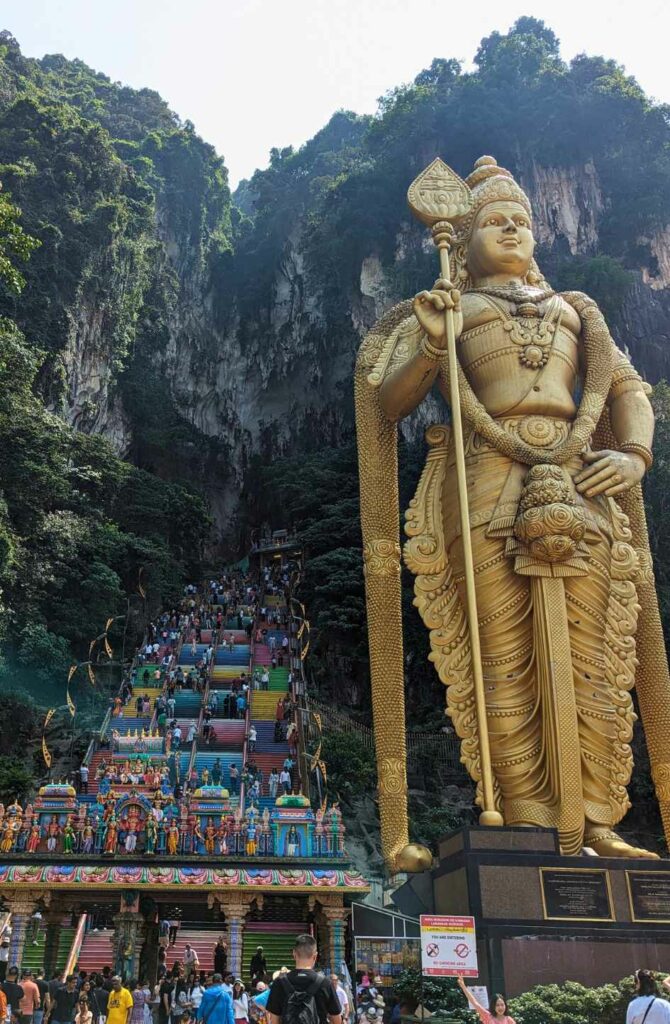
{"x": 258, "y": 967}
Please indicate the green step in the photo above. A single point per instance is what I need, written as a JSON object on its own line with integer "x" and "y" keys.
{"x": 33, "y": 954}
{"x": 277, "y": 948}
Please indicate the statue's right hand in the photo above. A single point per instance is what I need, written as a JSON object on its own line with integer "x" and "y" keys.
{"x": 429, "y": 309}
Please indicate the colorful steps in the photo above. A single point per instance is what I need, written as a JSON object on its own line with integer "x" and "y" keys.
{"x": 277, "y": 940}
{"x": 96, "y": 950}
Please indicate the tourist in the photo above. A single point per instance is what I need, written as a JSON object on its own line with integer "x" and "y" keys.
{"x": 165, "y": 999}
{"x": 195, "y": 993}
{"x": 4, "y": 959}
{"x": 273, "y": 783}
{"x": 217, "y": 1004}
{"x": 251, "y": 741}
{"x": 31, "y": 997}
{"x": 98, "y": 999}
{"x": 240, "y": 1004}
{"x": 83, "y": 778}
{"x": 221, "y": 957}
{"x": 499, "y": 1015}
{"x": 191, "y": 962}
{"x": 83, "y": 1015}
{"x": 13, "y": 991}
{"x": 285, "y": 781}
{"x": 174, "y": 928}
{"x": 141, "y": 994}
{"x": 119, "y": 1004}
{"x": 38, "y": 1015}
{"x": 341, "y": 995}
{"x": 64, "y": 1002}
{"x": 265, "y": 679}
{"x": 258, "y": 967}
{"x": 192, "y": 729}
{"x": 234, "y": 776}
{"x": 304, "y": 979}
{"x": 647, "y": 1007}
{"x": 216, "y": 781}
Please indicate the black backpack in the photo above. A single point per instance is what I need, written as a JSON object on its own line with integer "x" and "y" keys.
{"x": 301, "y": 1006}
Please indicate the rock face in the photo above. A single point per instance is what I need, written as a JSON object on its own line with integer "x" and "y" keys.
{"x": 198, "y": 336}
{"x": 277, "y": 380}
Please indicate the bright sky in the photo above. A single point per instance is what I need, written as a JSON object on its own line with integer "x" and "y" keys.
{"x": 252, "y": 74}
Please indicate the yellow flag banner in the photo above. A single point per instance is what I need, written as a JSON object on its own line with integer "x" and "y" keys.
{"x": 70, "y": 703}
{"x": 91, "y": 674}
{"x": 108, "y": 648}
{"x": 142, "y": 592}
{"x": 46, "y": 754}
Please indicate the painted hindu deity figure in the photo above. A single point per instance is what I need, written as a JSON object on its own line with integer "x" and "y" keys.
{"x": 557, "y": 434}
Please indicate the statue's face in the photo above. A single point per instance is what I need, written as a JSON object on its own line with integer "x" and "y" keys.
{"x": 501, "y": 241}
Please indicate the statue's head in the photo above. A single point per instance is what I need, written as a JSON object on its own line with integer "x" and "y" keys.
{"x": 497, "y": 234}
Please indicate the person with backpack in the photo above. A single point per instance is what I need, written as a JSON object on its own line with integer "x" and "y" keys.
{"x": 647, "y": 1007}
{"x": 217, "y": 1004}
{"x": 302, "y": 996}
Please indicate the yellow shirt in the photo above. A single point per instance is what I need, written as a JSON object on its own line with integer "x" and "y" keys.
{"x": 118, "y": 1006}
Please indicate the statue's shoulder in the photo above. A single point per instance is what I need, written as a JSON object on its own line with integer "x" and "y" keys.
{"x": 397, "y": 332}
{"x": 477, "y": 309}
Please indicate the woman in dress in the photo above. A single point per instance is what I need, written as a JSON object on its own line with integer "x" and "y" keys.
{"x": 141, "y": 994}
{"x": 499, "y": 1015}
{"x": 83, "y": 1014}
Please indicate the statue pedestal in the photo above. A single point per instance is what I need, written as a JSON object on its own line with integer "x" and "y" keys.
{"x": 544, "y": 918}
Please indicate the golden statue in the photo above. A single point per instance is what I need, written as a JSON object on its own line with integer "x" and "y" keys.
{"x": 535, "y": 607}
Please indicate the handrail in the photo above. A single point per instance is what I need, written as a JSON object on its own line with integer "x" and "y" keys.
{"x": 75, "y": 948}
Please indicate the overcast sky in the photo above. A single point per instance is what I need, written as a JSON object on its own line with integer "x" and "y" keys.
{"x": 252, "y": 74}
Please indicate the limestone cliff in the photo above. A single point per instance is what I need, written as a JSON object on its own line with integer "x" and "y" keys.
{"x": 199, "y": 333}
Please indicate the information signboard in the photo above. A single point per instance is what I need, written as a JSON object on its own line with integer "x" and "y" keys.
{"x": 448, "y": 946}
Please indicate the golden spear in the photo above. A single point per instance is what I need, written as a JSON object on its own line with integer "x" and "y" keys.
{"x": 437, "y": 197}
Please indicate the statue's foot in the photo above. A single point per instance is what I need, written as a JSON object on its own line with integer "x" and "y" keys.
{"x": 609, "y": 844}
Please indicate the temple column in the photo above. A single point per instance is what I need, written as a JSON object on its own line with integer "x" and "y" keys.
{"x": 51, "y": 941}
{"x": 129, "y": 929}
{"x": 21, "y": 906}
{"x": 235, "y": 907}
{"x": 334, "y": 917}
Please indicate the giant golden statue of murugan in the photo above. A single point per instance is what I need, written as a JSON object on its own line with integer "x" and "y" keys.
{"x": 557, "y": 434}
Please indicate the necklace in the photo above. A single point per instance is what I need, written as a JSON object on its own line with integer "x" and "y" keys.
{"x": 533, "y": 335}
{"x": 517, "y": 294}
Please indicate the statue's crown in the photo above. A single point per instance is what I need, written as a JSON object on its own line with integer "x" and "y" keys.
{"x": 489, "y": 183}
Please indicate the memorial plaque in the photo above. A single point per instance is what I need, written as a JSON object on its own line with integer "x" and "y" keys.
{"x": 649, "y": 895}
{"x": 576, "y": 894}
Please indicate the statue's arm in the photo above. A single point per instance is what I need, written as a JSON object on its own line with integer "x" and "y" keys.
{"x": 406, "y": 387}
{"x": 631, "y": 414}
{"x": 611, "y": 472}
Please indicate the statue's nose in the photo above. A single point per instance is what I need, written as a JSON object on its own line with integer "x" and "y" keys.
{"x": 510, "y": 226}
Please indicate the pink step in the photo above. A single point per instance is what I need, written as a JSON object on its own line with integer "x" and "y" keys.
{"x": 96, "y": 951}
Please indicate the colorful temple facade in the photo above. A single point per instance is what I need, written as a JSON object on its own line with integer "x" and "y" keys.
{"x": 191, "y": 809}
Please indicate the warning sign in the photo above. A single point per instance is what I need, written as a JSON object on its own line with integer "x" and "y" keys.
{"x": 448, "y": 946}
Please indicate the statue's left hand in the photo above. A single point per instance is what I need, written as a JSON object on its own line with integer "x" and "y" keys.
{"x": 609, "y": 473}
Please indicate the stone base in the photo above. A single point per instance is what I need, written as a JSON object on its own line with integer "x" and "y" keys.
{"x": 544, "y": 918}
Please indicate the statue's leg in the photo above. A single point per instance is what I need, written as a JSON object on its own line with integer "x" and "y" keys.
{"x": 601, "y": 651}
{"x": 508, "y": 660}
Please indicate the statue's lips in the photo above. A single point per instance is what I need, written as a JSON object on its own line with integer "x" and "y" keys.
{"x": 509, "y": 242}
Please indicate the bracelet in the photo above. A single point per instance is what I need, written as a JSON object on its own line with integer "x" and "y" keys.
{"x": 429, "y": 351}
{"x": 636, "y": 448}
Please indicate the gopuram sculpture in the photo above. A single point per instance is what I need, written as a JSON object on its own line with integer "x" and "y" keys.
{"x": 526, "y": 535}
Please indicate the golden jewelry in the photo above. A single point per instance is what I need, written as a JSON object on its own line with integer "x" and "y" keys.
{"x": 430, "y": 351}
{"x": 637, "y": 448}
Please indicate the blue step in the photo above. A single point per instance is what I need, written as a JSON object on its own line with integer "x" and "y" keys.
{"x": 125, "y": 724}
{"x": 265, "y": 743}
{"x": 187, "y": 702}
{"x": 206, "y": 759}
{"x": 278, "y": 634}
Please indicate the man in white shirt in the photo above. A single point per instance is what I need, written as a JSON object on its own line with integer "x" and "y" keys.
{"x": 191, "y": 961}
{"x": 285, "y": 781}
{"x": 341, "y": 995}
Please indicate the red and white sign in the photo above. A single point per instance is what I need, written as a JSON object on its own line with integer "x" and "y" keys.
{"x": 448, "y": 946}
